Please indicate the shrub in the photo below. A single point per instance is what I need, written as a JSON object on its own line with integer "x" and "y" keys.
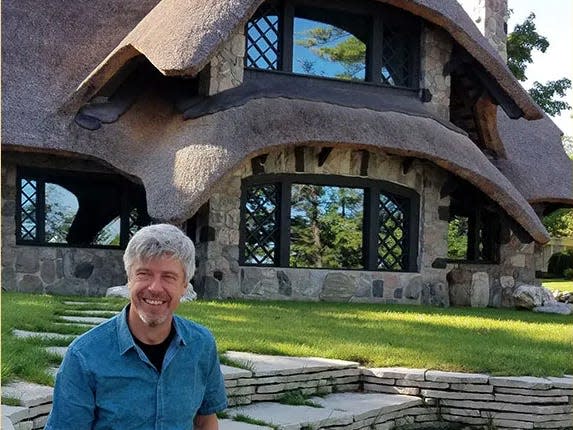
{"x": 559, "y": 262}
{"x": 568, "y": 273}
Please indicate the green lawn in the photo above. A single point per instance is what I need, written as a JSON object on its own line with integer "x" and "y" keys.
{"x": 503, "y": 342}
{"x": 558, "y": 284}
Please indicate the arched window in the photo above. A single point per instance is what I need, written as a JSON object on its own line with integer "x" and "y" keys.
{"x": 56, "y": 207}
{"x": 335, "y": 222}
{"x": 358, "y": 41}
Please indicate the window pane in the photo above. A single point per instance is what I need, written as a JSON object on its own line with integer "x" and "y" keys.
{"x": 392, "y": 243}
{"x": 326, "y": 227}
{"x": 396, "y": 56}
{"x": 458, "y": 238}
{"x": 262, "y": 39}
{"x": 321, "y": 49}
{"x": 28, "y": 210}
{"x": 261, "y": 225}
{"x": 61, "y": 208}
{"x": 109, "y": 235}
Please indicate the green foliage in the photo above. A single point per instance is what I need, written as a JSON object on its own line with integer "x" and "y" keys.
{"x": 559, "y": 262}
{"x": 335, "y": 45}
{"x": 568, "y": 273}
{"x": 544, "y": 95}
{"x": 246, "y": 419}
{"x": 458, "y": 238}
{"x": 520, "y": 44}
{"x": 326, "y": 227}
{"x": 559, "y": 223}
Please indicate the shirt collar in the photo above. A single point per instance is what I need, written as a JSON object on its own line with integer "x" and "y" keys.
{"x": 125, "y": 338}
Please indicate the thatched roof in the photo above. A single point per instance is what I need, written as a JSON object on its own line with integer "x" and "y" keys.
{"x": 179, "y": 36}
{"x": 50, "y": 47}
{"x": 536, "y": 161}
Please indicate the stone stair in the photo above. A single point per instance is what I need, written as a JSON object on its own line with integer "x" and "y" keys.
{"x": 337, "y": 395}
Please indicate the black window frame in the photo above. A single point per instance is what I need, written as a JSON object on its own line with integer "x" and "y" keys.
{"x": 375, "y": 14}
{"x": 484, "y": 227}
{"x": 372, "y": 190}
{"x": 47, "y": 175}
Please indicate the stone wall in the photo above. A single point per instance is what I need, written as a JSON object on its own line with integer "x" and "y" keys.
{"x": 436, "y": 50}
{"x": 492, "y": 402}
{"x": 227, "y": 65}
{"x": 481, "y": 285}
{"x": 51, "y": 269}
{"x": 224, "y": 278}
{"x": 490, "y": 16}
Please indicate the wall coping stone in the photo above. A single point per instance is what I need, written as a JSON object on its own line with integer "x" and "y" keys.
{"x": 531, "y": 382}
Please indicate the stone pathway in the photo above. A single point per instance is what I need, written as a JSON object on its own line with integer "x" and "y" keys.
{"x": 351, "y": 398}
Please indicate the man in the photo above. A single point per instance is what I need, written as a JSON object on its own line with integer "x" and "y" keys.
{"x": 145, "y": 368}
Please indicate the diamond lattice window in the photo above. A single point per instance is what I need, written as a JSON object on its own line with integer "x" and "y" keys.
{"x": 28, "y": 210}
{"x": 323, "y": 221}
{"x": 262, "y": 39}
{"x": 261, "y": 225}
{"x": 395, "y": 57}
{"x": 392, "y": 247}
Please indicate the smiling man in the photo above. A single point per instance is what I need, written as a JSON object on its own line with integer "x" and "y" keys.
{"x": 145, "y": 368}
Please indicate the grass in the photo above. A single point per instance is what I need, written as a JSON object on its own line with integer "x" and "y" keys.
{"x": 245, "y": 419}
{"x": 558, "y": 284}
{"x": 495, "y": 341}
{"x": 297, "y": 398}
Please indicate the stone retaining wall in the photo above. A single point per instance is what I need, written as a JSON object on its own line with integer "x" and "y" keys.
{"x": 482, "y": 400}
{"x": 479, "y": 400}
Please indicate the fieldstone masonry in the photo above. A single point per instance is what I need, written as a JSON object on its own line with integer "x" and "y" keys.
{"x": 227, "y": 65}
{"x": 352, "y": 397}
{"x": 52, "y": 270}
{"x": 490, "y": 16}
{"x": 436, "y": 51}
{"x": 225, "y": 278}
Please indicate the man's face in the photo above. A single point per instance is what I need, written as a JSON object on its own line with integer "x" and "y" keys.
{"x": 156, "y": 285}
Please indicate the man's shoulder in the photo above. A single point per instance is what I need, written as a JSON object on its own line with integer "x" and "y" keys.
{"x": 189, "y": 330}
{"x": 101, "y": 336}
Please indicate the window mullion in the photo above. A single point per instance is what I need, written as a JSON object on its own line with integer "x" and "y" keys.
{"x": 286, "y": 28}
{"x": 371, "y": 228}
{"x": 284, "y": 223}
{"x": 374, "y": 52}
{"x": 41, "y": 211}
{"x": 124, "y": 216}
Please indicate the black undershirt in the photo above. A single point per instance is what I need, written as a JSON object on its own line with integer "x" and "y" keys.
{"x": 156, "y": 353}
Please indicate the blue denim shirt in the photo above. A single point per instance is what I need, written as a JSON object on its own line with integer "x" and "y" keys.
{"x": 107, "y": 382}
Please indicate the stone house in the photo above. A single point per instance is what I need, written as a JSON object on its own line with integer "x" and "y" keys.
{"x": 369, "y": 151}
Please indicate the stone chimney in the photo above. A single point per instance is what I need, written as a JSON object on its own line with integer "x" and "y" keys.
{"x": 490, "y": 16}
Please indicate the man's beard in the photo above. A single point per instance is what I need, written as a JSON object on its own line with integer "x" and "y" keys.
{"x": 152, "y": 322}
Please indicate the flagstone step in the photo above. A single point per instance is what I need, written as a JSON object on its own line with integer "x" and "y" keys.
{"x": 24, "y": 334}
{"x": 58, "y": 350}
{"x": 94, "y": 313}
{"x": 337, "y": 411}
{"x": 83, "y": 320}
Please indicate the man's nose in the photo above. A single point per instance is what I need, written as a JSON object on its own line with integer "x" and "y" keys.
{"x": 155, "y": 284}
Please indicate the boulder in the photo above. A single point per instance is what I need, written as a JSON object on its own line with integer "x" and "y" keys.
{"x": 123, "y": 291}
{"x": 556, "y": 308}
{"x": 532, "y": 296}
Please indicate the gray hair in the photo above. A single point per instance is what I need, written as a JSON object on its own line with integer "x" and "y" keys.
{"x": 160, "y": 240}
